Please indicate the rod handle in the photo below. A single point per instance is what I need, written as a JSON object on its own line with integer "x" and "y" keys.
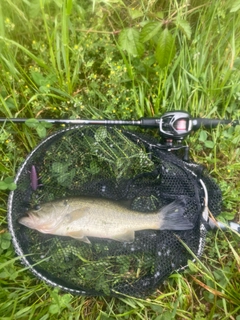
{"x": 211, "y": 123}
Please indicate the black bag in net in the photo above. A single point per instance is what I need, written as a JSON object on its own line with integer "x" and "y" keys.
{"x": 117, "y": 165}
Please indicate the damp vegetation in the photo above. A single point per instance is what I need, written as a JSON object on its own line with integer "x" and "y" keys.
{"x": 92, "y": 266}
{"x": 120, "y": 60}
{"x": 91, "y": 154}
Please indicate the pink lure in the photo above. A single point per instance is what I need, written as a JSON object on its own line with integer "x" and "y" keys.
{"x": 34, "y": 178}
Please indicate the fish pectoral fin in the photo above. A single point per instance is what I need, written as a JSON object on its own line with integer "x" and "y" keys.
{"x": 77, "y": 214}
{"x": 127, "y": 236}
{"x": 78, "y": 235}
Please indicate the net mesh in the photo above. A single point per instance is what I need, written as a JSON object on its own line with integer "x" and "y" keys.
{"x": 110, "y": 163}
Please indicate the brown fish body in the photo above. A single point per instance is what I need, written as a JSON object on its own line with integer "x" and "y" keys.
{"x": 81, "y": 218}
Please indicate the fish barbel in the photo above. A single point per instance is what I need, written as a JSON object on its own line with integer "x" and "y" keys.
{"x": 82, "y": 218}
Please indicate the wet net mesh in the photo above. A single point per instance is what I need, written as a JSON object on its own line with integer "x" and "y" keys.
{"x": 108, "y": 162}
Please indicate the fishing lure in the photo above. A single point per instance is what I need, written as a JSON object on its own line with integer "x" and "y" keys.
{"x": 34, "y": 178}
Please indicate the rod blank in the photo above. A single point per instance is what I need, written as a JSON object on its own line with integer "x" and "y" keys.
{"x": 146, "y": 122}
{"x": 74, "y": 121}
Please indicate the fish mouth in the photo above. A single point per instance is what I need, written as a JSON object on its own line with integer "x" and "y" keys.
{"x": 33, "y": 221}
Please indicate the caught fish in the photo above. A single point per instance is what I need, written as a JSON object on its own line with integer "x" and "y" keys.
{"x": 82, "y": 218}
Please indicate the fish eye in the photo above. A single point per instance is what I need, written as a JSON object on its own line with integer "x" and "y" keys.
{"x": 65, "y": 202}
{"x": 36, "y": 207}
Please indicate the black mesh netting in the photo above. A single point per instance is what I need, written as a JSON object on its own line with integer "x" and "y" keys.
{"x": 110, "y": 163}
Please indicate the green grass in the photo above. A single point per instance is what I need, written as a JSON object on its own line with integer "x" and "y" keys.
{"x": 68, "y": 59}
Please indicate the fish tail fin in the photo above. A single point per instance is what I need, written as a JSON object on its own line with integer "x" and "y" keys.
{"x": 172, "y": 217}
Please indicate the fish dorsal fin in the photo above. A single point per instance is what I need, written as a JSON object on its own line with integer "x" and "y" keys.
{"x": 77, "y": 214}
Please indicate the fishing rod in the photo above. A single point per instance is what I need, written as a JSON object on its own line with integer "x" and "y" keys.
{"x": 173, "y": 125}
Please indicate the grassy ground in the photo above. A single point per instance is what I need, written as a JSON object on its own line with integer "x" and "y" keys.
{"x": 124, "y": 60}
